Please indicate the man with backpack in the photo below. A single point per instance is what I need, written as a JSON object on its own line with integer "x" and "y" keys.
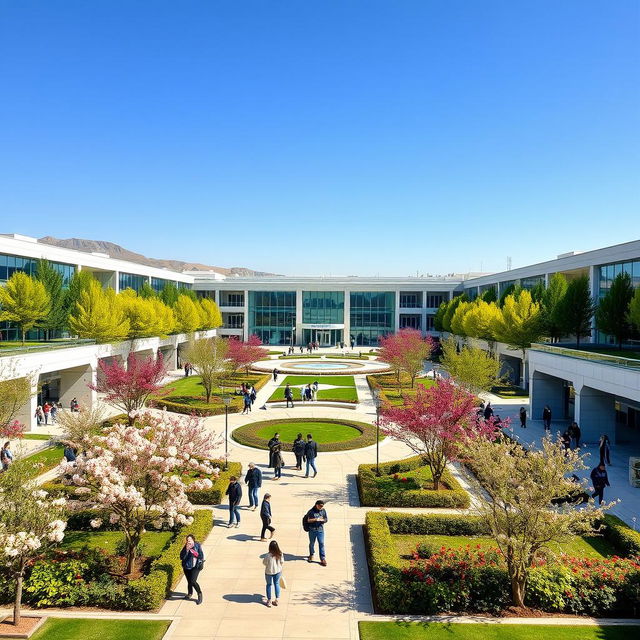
{"x": 313, "y": 523}
{"x": 310, "y": 454}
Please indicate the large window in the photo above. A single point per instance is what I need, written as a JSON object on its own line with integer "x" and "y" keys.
{"x": 372, "y": 315}
{"x": 10, "y": 264}
{"x": 410, "y": 299}
{"x": 231, "y": 299}
{"x": 132, "y": 281}
{"x": 323, "y": 307}
{"x": 233, "y": 320}
{"x": 609, "y": 271}
{"x": 435, "y": 299}
{"x": 409, "y": 321}
{"x": 272, "y": 316}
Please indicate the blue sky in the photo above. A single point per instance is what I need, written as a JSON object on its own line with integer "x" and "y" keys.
{"x": 335, "y": 137}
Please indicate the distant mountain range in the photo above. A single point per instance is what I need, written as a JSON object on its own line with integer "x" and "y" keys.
{"x": 116, "y": 251}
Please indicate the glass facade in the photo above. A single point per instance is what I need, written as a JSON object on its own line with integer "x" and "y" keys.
{"x": 272, "y": 316}
{"x": 323, "y": 307}
{"x": 372, "y": 315}
{"x": 434, "y": 300}
{"x": 231, "y": 299}
{"x": 411, "y": 300}
{"x": 10, "y": 264}
{"x": 409, "y": 321}
{"x": 530, "y": 283}
{"x": 132, "y": 281}
{"x": 158, "y": 284}
{"x": 607, "y": 272}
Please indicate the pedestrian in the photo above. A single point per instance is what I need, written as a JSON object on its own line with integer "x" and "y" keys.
{"x": 288, "y": 395}
{"x": 488, "y": 411}
{"x": 275, "y": 458}
{"x": 6, "y": 457}
{"x": 523, "y": 417}
{"x": 46, "y": 410}
{"x": 566, "y": 440}
{"x": 254, "y": 482}
{"x": 605, "y": 449}
{"x": 298, "y": 450}
{"x": 546, "y": 417}
{"x": 247, "y": 403}
{"x": 353, "y": 343}
{"x": 575, "y": 433}
{"x": 192, "y": 558}
{"x": 303, "y": 395}
{"x": 275, "y": 375}
{"x": 600, "y": 480}
{"x": 39, "y": 415}
{"x": 314, "y": 390}
{"x": 265, "y": 516}
{"x": 69, "y": 453}
{"x": 311, "y": 453}
{"x": 234, "y": 491}
{"x": 307, "y": 393}
{"x": 314, "y": 521}
{"x": 54, "y": 413}
{"x": 253, "y": 394}
{"x": 186, "y": 369}
{"x": 273, "y": 562}
{"x": 74, "y": 405}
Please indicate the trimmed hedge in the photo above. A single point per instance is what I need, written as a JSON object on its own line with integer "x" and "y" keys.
{"x": 372, "y": 496}
{"x": 246, "y": 434}
{"x": 621, "y": 536}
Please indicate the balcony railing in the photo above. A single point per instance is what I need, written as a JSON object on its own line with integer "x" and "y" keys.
{"x": 43, "y": 346}
{"x": 592, "y": 356}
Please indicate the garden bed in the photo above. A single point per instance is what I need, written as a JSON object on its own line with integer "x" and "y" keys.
{"x": 344, "y": 388}
{"x": 408, "y": 483}
{"x": 447, "y": 575}
{"x": 391, "y": 391}
{"x": 331, "y": 435}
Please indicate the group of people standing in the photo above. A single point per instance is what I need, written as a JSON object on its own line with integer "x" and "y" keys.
{"x": 249, "y": 395}
{"x": 188, "y": 369}
{"x": 308, "y": 393}
{"x": 47, "y": 411}
{"x": 304, "y": 451}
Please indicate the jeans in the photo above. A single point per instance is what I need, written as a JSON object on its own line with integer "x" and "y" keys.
{"x": 316, "y": 534}
{"x": 234, "y": 512}
{"x": 311, "y": 462}
{"x": 599, "y": 491}
{"x": 192, "y": 581}
{"x": 266, "y": 524}
{"x": 253, "y": 496}
{"x": 298, "y": 461}
{"x": 275, "y": 580}
{"x": 277, "y": 472}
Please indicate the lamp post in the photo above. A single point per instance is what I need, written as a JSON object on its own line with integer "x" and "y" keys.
{"x": 227, "y": 401}
{"x": 377, "y": 402}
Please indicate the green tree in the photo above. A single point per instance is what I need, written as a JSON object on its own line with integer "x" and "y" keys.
{"x": 209, "y": 358}
{"x": 457, "y": 319}
{"x": 14, "y": 394}
{"x": 471, "y": 367}
{"x": 512, "y": 290}
{"x": 212, "y": 318}
{"x": 439, "y": 316}
{"x": 575, "y": 309}
{"x": 51, "y": 278}
{"x": 490, "y": 295}
{"x": 634, "y": 310}
{"x": 80, "y": 281}
{"x": 480, "y": 320}
{"x": 169, "y": 294}
{"x": 537, "y": 291}
{"x": 552, "y": 318}
{"x": 99, "y": 315}
{"x": 451, "y": 309}
{"x": 146, "y": 291}
{"x": 165, "y": 318}
{"x": 188, "y": 318}
{"x": 141, "y": 313}
{"x": 25, "y": 301}
{"x": 612, "y": 312}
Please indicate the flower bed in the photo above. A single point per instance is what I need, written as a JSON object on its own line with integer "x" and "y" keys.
{"x": 408, "y": 483}
{"x": 248, "y": 434}
{"x": 474, "y": 579}
{"x": 391, "y": 393}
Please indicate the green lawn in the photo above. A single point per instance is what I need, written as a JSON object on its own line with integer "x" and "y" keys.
{"x": 583, "y": 547}
{"x": 36, "y": 436}
{"x": 347, "y": 394}
{"x": 88, "y": 629}
{"x": 322, "y": 431}
{"x": 153, "y": 542}
{"x": 192, "y": 385}
{"x": 416, "y": 479}
{"x": 48, "y": 458}
{"x": 445, "y": 631}
{"x": 338, "y": 381}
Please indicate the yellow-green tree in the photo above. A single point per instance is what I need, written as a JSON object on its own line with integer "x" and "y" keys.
{"x": 210, "y": 313}
{"x": 165, "y": 318}
{"x": 457, "y": 320}
{"x": 634, "y": 309}
{"x": 209, "y": 357}
{"x": 25, "y": 301}
{"x": 140, "y": 313}
{"x": 479, "y": 321}
{"x": 99, "y": 315}
{"x": 471, "y": 367}
{"x": 188, "y": 318}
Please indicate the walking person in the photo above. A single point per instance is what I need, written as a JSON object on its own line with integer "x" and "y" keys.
{"x": 307, "y": 393}
{"x": 488, "y": 411}
{"x": 314, "y": 390}
{"x": 314, "y": 522}
{"x": 254, "y": 482}
{"x": 605, "y": 449}
{"x": 275, "y": 375}
{"x": 275, "y": 458}
{"x": 303, "y": 395}
{"x": 575, "y": 433}
{"x": 46, "y": 410}
{"x": 234, "y": 491}
{"x": 600, "y": 480}
{"x": 523, "y": 417}
{"x": 288, "y": 395}
{"x": 6, "y": 457}
{"x": 273, "y": 562}
{"x": 246, "y": 398}
{"x": 265, "y": 516}
{"x": 311, "y": 453}
{"x": 54, "y": 413}
{"x": 192, "y": 558}
{"x": 546, "y": 417}
{"x": 253, "y": 394}
{"x": 298, "y": 450}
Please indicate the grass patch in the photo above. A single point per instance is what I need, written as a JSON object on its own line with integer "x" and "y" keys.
{"x": 339, "y": 381}
{"x": 36, "y": 436}
{"x": 445, "y": 631}
{"x": 46, "y": 459}
{"x": 153, "y": 542}
{"x": 393, "y": 392}
{"x": 323, "y": 432}
{"x": 88, "y": 629}
{"x": 348, "y": 394}
{"x": 509, "y": 391}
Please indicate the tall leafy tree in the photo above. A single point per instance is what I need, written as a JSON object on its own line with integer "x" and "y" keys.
{"x": 634, "y": 310}
{"x": 141, "y": 313}
{"x": 457, "y": 319}
{"x": 188, "y": 318}
{"x": 212, "y": 318}
{"x": 552, "y": 297}
{"x": 575, "y": 309}
{"x": 169, "y": 294}
{"x": 209, "y": 357}
{"x": 80, "y": 281}
{"x": 51, "y": 278}
{"x": 438, "y": 318}
{"x": 164, "y": 316}
{"x": 244, "y": 354}
{"x": 25, "y": 301}
{"x": 612, "y": 312}
{"x": 451, "y": 309}
{"x": 490, "y": 295}
{"x": 511, "y": 290}
{"x": 146, "y": 291}
{"x": 479, "y": 321}
{"x": 537, "y": 291}
{"x": 471, "y": 367}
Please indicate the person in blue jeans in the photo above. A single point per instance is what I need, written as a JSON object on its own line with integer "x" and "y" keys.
{"x": 273, "y": 562}
{"x": 234, "y": 491}
{"x": 311, "y": 453}
{"x": 254, "y": 482}
{"x": 315, "y": 521}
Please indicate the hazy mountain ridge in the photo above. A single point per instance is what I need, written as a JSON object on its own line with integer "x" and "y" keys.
{"x": 116, "y": 251}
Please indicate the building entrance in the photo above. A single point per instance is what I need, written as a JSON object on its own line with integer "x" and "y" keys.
{"x": 324, "y": 337}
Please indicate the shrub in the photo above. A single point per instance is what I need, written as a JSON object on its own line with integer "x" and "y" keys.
{"x": 372, "y": 494}
{"x": 217, "y": 491}
{"x": 621, "y": 535}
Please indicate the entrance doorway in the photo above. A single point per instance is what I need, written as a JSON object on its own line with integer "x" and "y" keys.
{"x": 324, "y": 338}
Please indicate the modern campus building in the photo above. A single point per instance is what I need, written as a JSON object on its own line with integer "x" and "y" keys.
{"x": 601, "y": 392}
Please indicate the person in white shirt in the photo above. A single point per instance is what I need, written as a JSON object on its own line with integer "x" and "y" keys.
{"x": 273, "y": 562}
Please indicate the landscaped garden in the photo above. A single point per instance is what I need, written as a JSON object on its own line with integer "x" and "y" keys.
{"x": 332, "y": 388}
{"x": 331, "y": 435}
{"x": 393, "y": 389}
{"x": 88, "y": 629}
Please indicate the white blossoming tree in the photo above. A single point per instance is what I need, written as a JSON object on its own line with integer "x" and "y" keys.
{"x": 134, "y": 474}
{"x": 30, "y": 521}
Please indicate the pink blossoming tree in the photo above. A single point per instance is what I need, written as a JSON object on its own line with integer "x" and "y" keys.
{"x": 128, "y": 388}
{"x": 244, "y": 354}
{"x": 406, "y": 352}
{"x": 134, "y": 474}
{"x": 435, "y": 423}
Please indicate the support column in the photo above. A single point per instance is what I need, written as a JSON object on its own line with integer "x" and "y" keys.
{"x": 74, "y": 383}
{"x": 594, "y": 288}
{"x": 397, "y": 311}
{"x": 595, "y": 413}
{"x": 347, "y": 318}
{"x": 298, "y": 318}
{"x": 543, "y": 390}
{"x": 170, "y": 357}
{"x": 245, "y": 309}
{"x": 27, "y": 413}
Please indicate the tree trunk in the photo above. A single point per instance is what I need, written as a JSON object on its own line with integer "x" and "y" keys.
{"x": 131, "y": 553}
{"x": 578, "y": 340}
{"x": 23, "y": 334}
{"x": 517, "y": 591}
{"x": 18, "y": 600}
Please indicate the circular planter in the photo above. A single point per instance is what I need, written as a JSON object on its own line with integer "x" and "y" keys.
{"x": 364, "y": 434}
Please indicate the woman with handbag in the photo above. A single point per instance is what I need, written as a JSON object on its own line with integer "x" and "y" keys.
{"x": 192, "y": 558}
{"x": 273, "y": 562}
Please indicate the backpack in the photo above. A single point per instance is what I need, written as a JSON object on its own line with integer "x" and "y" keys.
{"x": 305, "y": 524}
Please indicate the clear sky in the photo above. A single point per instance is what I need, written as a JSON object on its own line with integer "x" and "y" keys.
{"x": 337, "y": 137}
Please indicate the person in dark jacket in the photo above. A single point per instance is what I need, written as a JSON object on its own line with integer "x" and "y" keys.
{"x": 254, "y": 482}
{"x": 275, "y": 459}
{"x": 546, "y": 417}
{"x": 311, "y": 453}
{"x": 523, "y": 417}
{"x": 488, "y": 411}
{"x": 265, "y": 516}
{"x": 275, "y": 375}
{"x": 605, "y": 449}
{"x": 316, "y": 518}
{"x": 600, "y": 480}
{"x": 69, "y": 454}
{"x": 288, "y": 395}
{"x": 192, "y": 559}
{"x": 575, "y": 433}
{"x": 234, "y": 491}
{"x": 298, "y": 450}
